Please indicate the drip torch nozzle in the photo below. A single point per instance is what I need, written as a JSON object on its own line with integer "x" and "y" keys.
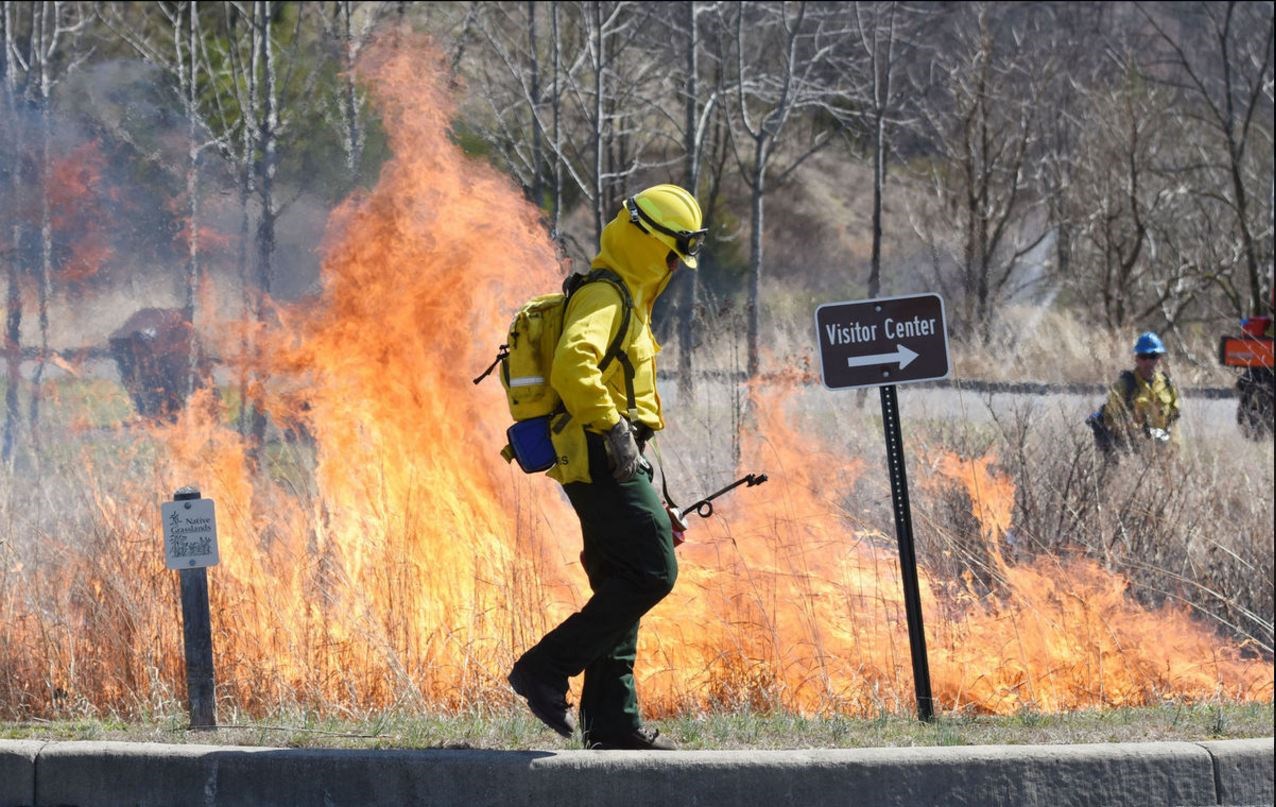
{"x": 704, "y": 508}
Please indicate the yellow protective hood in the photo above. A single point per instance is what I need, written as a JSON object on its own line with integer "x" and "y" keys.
{"x": 637, "y": 257}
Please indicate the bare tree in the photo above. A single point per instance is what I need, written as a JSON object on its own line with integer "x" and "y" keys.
{"x": 348, "y": 28}
{"x": 691, "y": 108}
{"x": 169, "y": 35}
{"x": 261, "y": 83}
{"x": 556, "y": 110}
{"x": 513, "y": 88}
{"x": 1221, "y": 82}
{"x": 1118, "y": 202}
{"x": 11, "y": 240}
{"x": 619, "y": 96}
{"x": 534, "y": 79}
{"x": 783, "y": 53}
{"x": 1079, "y": 36}
{"x": 701, "y": 110}
{"x": 234, "y": 116}
{"x": 884, "y": 48}
{"x": 50, "y": 52}
{"x": 983, "y": 127}
{"x": 589, "y": 126}
{"x": 267, "y": 167}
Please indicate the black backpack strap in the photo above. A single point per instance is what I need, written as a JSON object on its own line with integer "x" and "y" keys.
{"x": 1169, "y": 384}
{"x": 1130, "y": 384}
{"x": 615, "y": 351}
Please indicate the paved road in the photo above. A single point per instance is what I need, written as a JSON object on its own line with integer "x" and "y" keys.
{"x": 1207, "y": 412}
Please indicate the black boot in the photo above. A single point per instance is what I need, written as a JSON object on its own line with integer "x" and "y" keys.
{"x": 636, "y": 740}
{"x": 546, "y": 698}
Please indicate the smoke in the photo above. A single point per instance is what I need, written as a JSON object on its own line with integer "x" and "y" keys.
{"x": 119, "y": 211}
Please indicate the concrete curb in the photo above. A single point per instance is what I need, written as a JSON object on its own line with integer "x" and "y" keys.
{"x": 17, "y": 771}
{"x": 1243, "y": 770}
{"x": 1230, "y": 772}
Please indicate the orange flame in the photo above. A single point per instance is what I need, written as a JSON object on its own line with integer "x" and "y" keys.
{"x": 1065, "y": 635}
{"x": 788, "y": 604}
{"x": 402, "y": 564}
{"x": 78, "y": 208}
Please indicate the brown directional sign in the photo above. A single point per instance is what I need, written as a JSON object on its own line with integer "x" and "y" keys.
{"x": 886, "y": 340}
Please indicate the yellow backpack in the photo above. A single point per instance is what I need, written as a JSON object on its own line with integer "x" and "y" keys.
{"x": 526, "y": 359}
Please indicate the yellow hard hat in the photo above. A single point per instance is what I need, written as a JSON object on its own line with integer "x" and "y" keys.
{"x": 671, "y": 215}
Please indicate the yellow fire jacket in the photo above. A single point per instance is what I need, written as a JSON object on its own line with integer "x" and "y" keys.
{"x": 1152, "y": 404}
{"x": 596, "y": 400}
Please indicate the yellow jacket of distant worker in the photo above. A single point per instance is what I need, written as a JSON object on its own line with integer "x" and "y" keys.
{"x": 1152, "y": 404}
{"x": 596, "y": 400}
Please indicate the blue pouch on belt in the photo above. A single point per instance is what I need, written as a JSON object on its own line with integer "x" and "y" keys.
{"x": 530, "y": 444}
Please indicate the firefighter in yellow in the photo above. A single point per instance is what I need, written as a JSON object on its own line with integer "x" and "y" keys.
{"x": 1142, "y": 404}
{"x": 628, "y": 543}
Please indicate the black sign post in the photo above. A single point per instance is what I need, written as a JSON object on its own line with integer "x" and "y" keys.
{"x": 907, "y": 555}
{"x": 197, "y": 637}
{"x": 880, "y": 343}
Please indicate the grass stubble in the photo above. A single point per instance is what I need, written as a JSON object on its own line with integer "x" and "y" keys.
{"x": 512, "y": 728}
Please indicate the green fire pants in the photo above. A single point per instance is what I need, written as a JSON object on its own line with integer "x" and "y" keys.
{"x": 630, "y": 561}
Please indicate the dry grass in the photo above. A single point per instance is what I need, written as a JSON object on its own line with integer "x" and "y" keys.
{"x": 85, "y": 631}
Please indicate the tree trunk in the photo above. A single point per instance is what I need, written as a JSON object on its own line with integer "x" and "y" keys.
{"x": 1270, "y": 302}
{"x": 267, "y": 165}
{"x": 45, "y": 267}
{"x": 193, "y": 278}
{"x": 13, "y": 275}
{"x": 247, "y": 189}
{"x": 758, "y": 190}
{"x": 883, "y": 67}
{"x": 1247, "y": 238}
{"x": 556, "y": 213}
{"x": 691, "y": 160}
{"x": 599, "y": 145}
{"x": 534, "y": 90}
{"x": 246, "y": 293}
{"x": 689, "y": 282}
{"x": 350, "y": 98}
{"x": 1236, "y": 156}
{"x": 879, "y": 182}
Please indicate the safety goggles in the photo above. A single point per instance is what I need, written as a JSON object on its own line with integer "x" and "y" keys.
{"x": 687, "y": 242}
{"x": 1148, "y": 356}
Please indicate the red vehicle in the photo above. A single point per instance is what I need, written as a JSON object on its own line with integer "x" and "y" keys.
{"x": 1252, "y": 353}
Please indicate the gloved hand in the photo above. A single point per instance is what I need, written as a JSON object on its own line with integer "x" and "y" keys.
{"x": 622, "y": 451}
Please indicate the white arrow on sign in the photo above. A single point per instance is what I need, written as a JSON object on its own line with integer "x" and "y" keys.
{"x": 902, "y": 355}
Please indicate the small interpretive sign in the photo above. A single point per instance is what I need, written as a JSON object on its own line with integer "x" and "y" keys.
{"x": 190, "y": 534}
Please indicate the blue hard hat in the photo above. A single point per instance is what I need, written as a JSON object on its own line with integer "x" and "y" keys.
{"x": 1149, "y": 342}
